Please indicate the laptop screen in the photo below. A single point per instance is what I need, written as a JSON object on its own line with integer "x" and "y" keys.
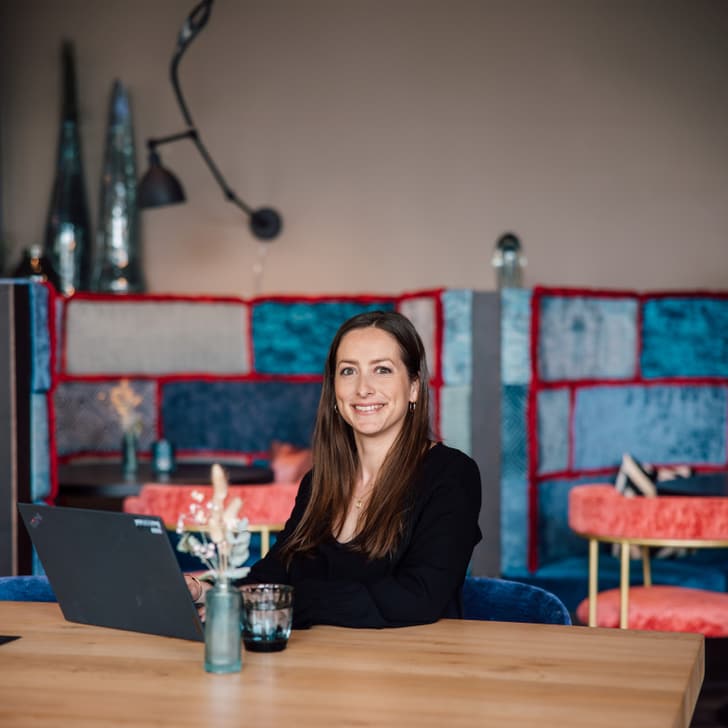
{"x": 113, "y": 569}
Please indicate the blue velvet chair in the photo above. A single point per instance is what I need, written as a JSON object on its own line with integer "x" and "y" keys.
{"x": 26, "y": 589}
{"x": 499, "y": 600}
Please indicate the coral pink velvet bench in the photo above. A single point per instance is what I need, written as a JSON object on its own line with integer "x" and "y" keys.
{"x": 601, "y": 514}
{"x": 266, "y": 507}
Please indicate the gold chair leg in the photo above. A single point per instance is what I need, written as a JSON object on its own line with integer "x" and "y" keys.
{"x": 624, "y": 586}
{"x": 593, "y": 576}
{"x": 646, "y": 566}
{"x": 264, "y": 541}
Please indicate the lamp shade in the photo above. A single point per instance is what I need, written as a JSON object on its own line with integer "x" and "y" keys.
{"x": 159, "y": 187}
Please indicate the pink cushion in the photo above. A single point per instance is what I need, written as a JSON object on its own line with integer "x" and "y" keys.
{"x": 664, "y": 608}
{"x": 289, "y": 463}
{"x": 601, "y": 510}
{"x": 262, "y": 504}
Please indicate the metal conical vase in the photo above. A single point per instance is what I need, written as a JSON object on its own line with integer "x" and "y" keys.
{"x": 67, "y": 236}
{"x": 117, "y": 260}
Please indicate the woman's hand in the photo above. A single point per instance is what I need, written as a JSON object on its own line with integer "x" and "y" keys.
{"x": 197, "y": 592}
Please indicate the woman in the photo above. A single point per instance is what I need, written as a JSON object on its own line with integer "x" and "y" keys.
{"x": 385, "y": 523}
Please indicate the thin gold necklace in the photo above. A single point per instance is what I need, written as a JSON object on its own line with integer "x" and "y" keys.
{"x": 359, "y": 502}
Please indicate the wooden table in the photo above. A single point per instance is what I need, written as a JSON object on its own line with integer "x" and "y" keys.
{"x": 453, "y": 673}
{"x": 104, "y": 486}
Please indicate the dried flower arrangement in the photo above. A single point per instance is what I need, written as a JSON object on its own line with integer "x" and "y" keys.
{"x": 214, "y": 532}
{"x": 125, "y": 400}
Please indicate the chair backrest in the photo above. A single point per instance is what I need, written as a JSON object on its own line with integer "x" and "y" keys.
{"x": 26, "y": 589}
{"x": 499, "y": 600}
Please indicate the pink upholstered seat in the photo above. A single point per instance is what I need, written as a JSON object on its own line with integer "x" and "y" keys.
{"x": 262, "y": 504}
{"x": 664, "y": 608}
{"x": 602, "y": 511}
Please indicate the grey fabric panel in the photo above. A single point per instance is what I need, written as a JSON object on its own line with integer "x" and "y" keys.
{"x": 156, "y": 337}
{"x": 485, "y": 426}
{"x": 421, "y": 312}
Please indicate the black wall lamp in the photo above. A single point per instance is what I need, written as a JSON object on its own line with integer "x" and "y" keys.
{"x": 159, "y": 186}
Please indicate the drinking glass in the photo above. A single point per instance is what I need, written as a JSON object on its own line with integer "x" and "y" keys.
{"x": 267, "y": 616}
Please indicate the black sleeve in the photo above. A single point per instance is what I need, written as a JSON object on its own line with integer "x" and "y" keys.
{"x": 270, "y": 569}
{"x": 427, "y": 576}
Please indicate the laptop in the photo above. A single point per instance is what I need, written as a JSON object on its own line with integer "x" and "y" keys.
{"x": 113, "y": 569}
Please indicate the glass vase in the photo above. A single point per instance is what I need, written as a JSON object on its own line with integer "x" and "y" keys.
{"x": 129, "y": 447}
{"x": 117, "y": 260}
{"x": 68, "y": 231}
{"x": 222, "y": 628}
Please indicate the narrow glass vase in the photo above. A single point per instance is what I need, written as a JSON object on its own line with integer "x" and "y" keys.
{"x": 222, "y": 628}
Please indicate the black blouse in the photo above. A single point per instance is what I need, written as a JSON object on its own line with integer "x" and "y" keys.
{"x": 420, "y": 583}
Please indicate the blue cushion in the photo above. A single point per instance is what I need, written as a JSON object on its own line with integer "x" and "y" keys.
{"x": 511, "y": 601}
{"x": 26, "y": 589}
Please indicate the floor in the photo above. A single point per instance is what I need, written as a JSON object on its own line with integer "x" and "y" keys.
{"x": 712, "y": 708}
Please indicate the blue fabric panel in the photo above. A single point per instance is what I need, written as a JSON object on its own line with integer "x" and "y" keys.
{"x": 685, "y": 337}
{"x": 85, "y": 419}
{"x": 555, "y": 539}
{"x": 41, "y": 340}
{"x": 455, "y": 417}
{"x": 458, "y": 337}
{"x": 553, "y": 430}
{"x": 658, "y": 424}
{"x": 515, "y": 336}
{"x": 238, "y": 416}
{"x": 294, "y": 337}
{"x": 40, "y": 465}
{"x": 587, "y": 338}
{"x": 514, "y": 479}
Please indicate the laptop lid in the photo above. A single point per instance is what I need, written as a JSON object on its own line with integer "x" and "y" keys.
{"x": 113, "y": 569}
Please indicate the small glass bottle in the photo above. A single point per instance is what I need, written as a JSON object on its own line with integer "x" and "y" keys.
{"x": 508, "y": 261}
{"x": 222, "y": 628}
{"x": 36, "y": 266}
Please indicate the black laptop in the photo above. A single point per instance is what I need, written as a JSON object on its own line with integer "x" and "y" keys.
{"x": 113, "y": 570}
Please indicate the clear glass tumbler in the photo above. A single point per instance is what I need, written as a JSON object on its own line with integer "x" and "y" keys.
{"x": 267, "y": 616}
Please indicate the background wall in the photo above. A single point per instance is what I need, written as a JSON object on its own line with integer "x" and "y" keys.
{"x": 399, "y": 138}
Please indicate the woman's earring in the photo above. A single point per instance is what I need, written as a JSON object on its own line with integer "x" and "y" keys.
{"x": 412, "y": 406}
{"x": 336, "y": 409}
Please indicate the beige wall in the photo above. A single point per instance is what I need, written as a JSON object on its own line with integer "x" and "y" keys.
{"x": 398, "y": 138}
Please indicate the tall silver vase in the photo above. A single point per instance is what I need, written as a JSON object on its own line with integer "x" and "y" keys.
{"x": 117, "y": 259}
{"x": 68, "y": 231}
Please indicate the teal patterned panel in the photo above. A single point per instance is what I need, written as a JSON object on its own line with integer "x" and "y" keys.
{"x": 458, "y": 337}
{"x": 40, "y": 465}
{"x": 455, "y": 417}
{"x": 515, "y": 336}
{"x": 41, "y": 339}
{"x": 685, "y": 337}
{"x": 658, "y": 424}
{"x": 587, "y": 338}
{"x": 293, "y": 337}
{"x": 514, "y": 480}
{"x": 553, "y": 430}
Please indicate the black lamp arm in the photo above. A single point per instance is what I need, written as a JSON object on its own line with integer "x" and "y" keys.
{"x": 196, "y": 21}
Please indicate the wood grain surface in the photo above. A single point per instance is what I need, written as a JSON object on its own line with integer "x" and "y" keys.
{"x": 449, "y": 674}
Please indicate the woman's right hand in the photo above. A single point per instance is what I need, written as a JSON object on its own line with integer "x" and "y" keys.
{"x": 197, "y": 592}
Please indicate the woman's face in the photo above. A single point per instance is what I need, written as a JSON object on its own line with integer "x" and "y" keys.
{"x": 372, "y": 386}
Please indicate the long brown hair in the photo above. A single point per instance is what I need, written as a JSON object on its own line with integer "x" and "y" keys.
{"x": 336, "y": 460}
